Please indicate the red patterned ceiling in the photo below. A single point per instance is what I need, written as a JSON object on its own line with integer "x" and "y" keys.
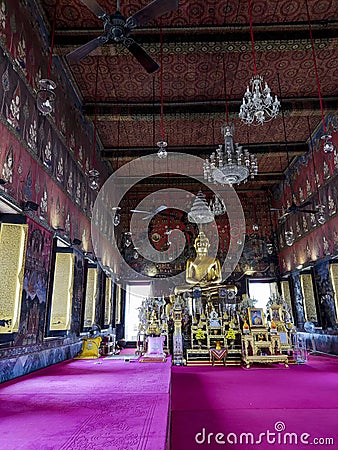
{"x": 206, "y": 52}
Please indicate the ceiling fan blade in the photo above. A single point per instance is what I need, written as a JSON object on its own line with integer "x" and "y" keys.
{"x": 160, "y": 208}
{"x": 148, "y": 217}
{"x": 85, "y": 49}
{"x": 155, "y": 9}
{"x": 307, "y": 203}
{"x": 141, "y": 55}
{"x": 94, "y": 7}
{"x": 141, "y": 211}
{"x": 276, "y": 209}
{"x": 312, "y": 211}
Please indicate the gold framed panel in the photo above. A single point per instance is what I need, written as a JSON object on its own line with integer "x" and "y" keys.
{"x": 91, "y": 294}
{"x": 118, "y": 304}
{"x": 13, "y": 244}
{"x": 62, "y": 298}
{"x": 334, "y": 280}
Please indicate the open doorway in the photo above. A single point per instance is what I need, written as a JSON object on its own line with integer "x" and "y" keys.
{"x": 135, "y": 294}
{"x": 262, "y": 291}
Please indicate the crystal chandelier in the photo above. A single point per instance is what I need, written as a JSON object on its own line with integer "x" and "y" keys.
{"x": 200, "y": 211}
{"x": 217, "y": 206}
{"x": 230, "y": 165}
{"x": 258, "y": 104}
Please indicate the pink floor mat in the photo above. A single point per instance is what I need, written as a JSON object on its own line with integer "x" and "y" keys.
{"x": 86, "y": 404}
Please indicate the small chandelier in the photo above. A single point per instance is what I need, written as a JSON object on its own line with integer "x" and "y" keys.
{"x": 328, "y": 145}
{"x": 217, "y": 206}
{"x": 289, "y": 237}
{"x": 162, "y": 152}
{"x": 231, "y": 165}
{"x": 258, "y": 105}
{"x": 46, "y": 96}
{"x": 200, "y": 211}
{"x": 93, "y": 177}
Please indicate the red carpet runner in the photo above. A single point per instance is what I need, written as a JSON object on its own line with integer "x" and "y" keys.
{"x": 266, "y": 404}
{"x": 86, "y": 404}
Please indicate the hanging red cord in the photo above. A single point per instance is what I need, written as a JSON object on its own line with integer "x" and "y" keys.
{"x": 313, "y": 160}
{"x": 315, "y": 66}
{"x": 252, "y": 38}
{"x": 225, "y": 93}
{"x": 95, "y": 108}
{"x": 52, "y": 41}
{"x": 161, "y": 83}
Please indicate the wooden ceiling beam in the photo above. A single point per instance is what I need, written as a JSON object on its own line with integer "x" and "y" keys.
{"x": 147, "y": 110}
{"x": 232, "y": 32}
{"x": 276, "y": 148}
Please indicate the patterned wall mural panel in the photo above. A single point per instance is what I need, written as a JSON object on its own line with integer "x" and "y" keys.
{"x": 326, "y": 295}
{"x": 313, "y": 178}
{"x": 78, "y": 294}
{"x": 44, "y": 159}
{"x": 36, "y": 278}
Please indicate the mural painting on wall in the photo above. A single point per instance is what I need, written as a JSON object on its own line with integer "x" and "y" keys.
{"x": 47, "y": 138}
{"x": 314, "y": 238}
{"x": 78, "y": 294}
{"x": 298, "y": 296}
{"x": 325, "y": 295}
{"x": 34, "y": 294}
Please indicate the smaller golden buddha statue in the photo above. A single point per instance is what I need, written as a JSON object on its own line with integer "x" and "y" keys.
{"x": 153, "y": 328}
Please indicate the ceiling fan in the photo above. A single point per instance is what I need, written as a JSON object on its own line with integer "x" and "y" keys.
{"x": 294, "y": 209}
{"x": 153, "y": 213}
{"x": 117, "y": 29}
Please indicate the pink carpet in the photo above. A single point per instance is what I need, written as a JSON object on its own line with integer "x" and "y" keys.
{"x": 298, "y": 399}
{"x": 86, "y": 404}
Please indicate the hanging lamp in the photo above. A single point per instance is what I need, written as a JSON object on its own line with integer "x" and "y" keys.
{"x": 162, "y": 144}
{"x": 45, "y": 96}
{"x": 328, "y": 146}
{"x": 258, "y": 104}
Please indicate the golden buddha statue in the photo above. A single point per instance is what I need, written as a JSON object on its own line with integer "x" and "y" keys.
{"x": 203, "y": 271}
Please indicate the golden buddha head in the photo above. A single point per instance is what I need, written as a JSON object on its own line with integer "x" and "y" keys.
{"x": 202, "y": 243}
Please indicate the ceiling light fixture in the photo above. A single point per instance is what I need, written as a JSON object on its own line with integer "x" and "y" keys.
{"x": 46, "y": 95}
{"x": 231, "y": 165}
{"x": 200, "y": 211}
{"x": 217, "y": 206}
{"x": 93, "y": 174}
{"x": 258, "y": 104}
{"x": 328, "y": 146}
{"x": 162, "y": 144}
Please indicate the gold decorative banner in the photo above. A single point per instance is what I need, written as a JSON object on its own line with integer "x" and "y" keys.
{"x": 308, "y": 297}
{"x": 334, "y": 280}
{"x": 60, "y": 317}
{"x": 107, "y": 302}
{"x": 91, "y": 292}
{"x": 286, "y": 293}
{"x": 13, "y": 242}
{"x": 118, "y": 304}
